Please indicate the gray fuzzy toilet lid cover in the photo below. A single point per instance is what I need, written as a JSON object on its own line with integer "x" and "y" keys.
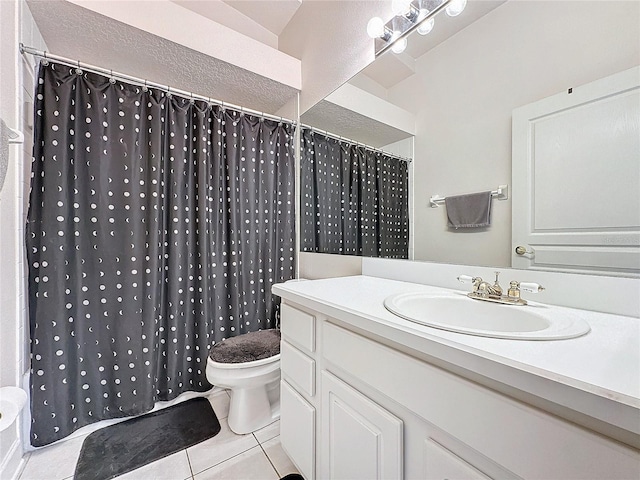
{"x": 247, "y": 347}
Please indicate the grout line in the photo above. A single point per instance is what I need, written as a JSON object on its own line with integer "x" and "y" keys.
{"x": 226, "y": 459}
{"x": 189, "y": 462}
{"x": 265, "y": 454}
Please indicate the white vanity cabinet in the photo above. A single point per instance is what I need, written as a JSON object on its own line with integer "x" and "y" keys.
{"x": 356, "y": 406}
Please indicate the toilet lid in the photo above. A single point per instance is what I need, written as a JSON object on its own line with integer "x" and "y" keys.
{"x": 247, "y": 347}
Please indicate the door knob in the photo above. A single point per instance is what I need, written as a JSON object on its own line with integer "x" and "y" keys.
{"x": 522, "y": 251}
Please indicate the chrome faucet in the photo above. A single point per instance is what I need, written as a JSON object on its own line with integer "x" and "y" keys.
{"x": 483, "y": 290}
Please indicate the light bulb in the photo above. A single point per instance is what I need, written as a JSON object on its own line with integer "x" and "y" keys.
{"x": 456, "y": 7}
{"x": 426, "y": 27}
{"x": 401, "y": 7}
{"x": 399, "y": 45}
{"x": 375, "y": 27}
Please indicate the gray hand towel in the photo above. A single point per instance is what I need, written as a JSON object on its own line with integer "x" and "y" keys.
{"x": 4, "y": 151}
{"x": 469, "y": 211}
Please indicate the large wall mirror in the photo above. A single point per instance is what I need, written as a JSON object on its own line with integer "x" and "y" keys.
{"x": 447, "y": 104}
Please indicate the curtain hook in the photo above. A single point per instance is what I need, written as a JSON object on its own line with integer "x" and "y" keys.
{"x": 169, "y": 92}
{"x": 191, "y": 100}
{"x": 144, "y": 87}
{"x": 112, "y": 80}
{"x": 78, "y": 70}
{"x": 241, "y": 111}
{"x": 46, "y": 60}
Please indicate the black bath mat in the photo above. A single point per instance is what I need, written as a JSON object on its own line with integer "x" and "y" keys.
{"x": 126, "y": 446}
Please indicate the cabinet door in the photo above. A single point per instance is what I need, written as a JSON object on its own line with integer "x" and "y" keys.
{"x": 297, "y": 430}
{"x": 360, "y": 439}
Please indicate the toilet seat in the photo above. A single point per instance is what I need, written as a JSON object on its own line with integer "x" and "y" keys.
{"x": 241, "y": 365}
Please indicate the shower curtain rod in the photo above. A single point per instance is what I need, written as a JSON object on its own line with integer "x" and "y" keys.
{"x": 348, "y": 140}
{"x": 144, "y": 83}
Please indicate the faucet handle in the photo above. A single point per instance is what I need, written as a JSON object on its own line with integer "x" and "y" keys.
{"x": 497, "y": 289}
{"x": 465, "y": 279}
{"x": 531, "y": 287}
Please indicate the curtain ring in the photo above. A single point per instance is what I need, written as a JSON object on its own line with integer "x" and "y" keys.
{"x": 112, "y": 80}
{"x": 144, "y": 87}
{"x": 78, "y": 70}
{"x": 191, "y": 100}
{"x": 169, "y": 92}
{"x": 45, "y": 62}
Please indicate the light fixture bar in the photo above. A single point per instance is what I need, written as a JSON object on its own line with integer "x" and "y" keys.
{"x": 405, "y": 25}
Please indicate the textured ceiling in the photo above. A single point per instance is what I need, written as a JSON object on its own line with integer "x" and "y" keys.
{"x": 80, "y": 34}
{"x": 349, "y": 124}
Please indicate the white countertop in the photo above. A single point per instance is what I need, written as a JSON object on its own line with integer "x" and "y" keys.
{"x": 597, "y": 374}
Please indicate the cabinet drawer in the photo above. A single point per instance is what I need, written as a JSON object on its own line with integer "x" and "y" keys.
{"x": 298, "y": 327}
{"x": 298, "y": 368}
{"x": 298, "y": 430}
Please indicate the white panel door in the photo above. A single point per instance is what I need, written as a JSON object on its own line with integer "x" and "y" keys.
{"x": 576, "y": 179}
{"x": 360, "y": 439}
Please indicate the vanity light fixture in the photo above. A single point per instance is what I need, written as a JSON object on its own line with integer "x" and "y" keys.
{"x": 410, "y": 15}
{"x": 427, "y": 25}
{"x": 399, "y": 45}
{"x": 456, "y": 7}
{"x": 401, "y": 7}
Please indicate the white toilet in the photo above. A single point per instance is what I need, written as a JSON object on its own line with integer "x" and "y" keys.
{"x": 254, "y": 384}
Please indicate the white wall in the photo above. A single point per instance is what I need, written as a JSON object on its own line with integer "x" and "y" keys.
{"x": 465, "y": 89}
{"x": 323, "y": 265}
{"x": 16, "y": 100}
{"x": 10, "y": 451}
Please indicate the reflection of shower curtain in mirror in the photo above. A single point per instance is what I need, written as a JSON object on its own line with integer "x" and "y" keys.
{"x": 354, "y": 199}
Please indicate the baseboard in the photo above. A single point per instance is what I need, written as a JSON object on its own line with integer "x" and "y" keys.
{"x": 12, "y": 461}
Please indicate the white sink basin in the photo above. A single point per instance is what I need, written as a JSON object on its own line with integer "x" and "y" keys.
{"x": 458, "y": 313}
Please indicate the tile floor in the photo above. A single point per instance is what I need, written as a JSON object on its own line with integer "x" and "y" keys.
{"x": 226, "y": 456}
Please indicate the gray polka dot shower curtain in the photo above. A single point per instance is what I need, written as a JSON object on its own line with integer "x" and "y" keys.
{"x": 354, "y": 200}
{"x": 157, "y": 225}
